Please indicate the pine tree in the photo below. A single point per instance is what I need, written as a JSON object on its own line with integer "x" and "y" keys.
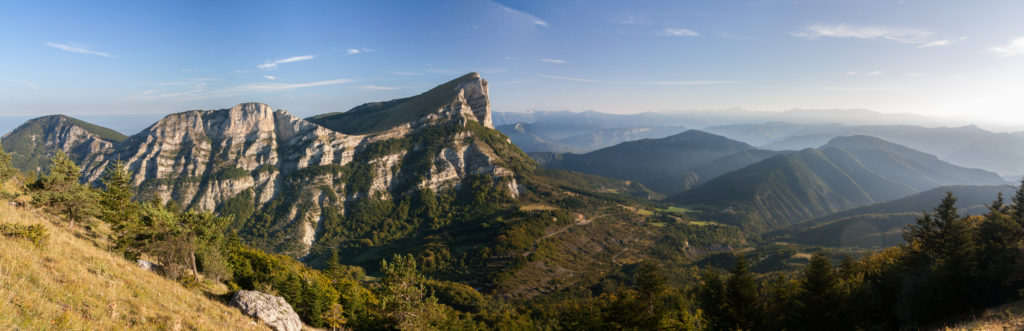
{"x": 61, "y": 189}
{"x": 116, "y": 199}
{"x": 403, "y": 298}
{"x": 741, "y": 296}
{"x": 819, "y": 295}
{"x": 1017, "y": 205}
{"x": 712, "y": 302}
{"x": 6, "y": 170}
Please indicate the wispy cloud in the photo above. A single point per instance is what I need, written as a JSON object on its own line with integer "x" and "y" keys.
{"x": 1013, "y": 48}
{"x": 270, "y": 77}
{"x": 667, "y": 82}
{"x": 674, "y": 32}
{"x": 273, "y": 64}
{"x": 942, "y": 42}
{"x": 26, "y": 83}
{"x": 379, "y": 88}
{"x": 533, "y": 18}
{"x": 574, "y": 79}
{"x": 866, "y": 73}
{"x": 354, "y": 51}
{"x": 903, "y": 35}
{"x": 556, "y": 61}
{"x": 76, "y": 49}
{"x": 199, "y": 90}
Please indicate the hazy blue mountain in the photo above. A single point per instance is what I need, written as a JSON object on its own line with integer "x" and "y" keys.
{"x": 667, "y": 165}
{"x": 845, "y": 173}
{"x": 577, "y": 137}
{"x": 882, "y": 224}
{"x": 968, "y": 146}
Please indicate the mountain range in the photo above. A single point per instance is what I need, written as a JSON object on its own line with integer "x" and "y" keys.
{"x": 844, "y": 173}
{"x": 667, "y": 165}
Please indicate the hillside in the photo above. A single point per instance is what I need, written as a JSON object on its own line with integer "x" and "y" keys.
{"x": 667, "y": 165}
{"x": 33, "y": 143}
{"x": 845, "y": 173}
{"x": 881, "y": 225}
{"x": 71, "y": 284}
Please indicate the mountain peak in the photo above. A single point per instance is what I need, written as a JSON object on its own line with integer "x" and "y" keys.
{"x": 465, "y": 97}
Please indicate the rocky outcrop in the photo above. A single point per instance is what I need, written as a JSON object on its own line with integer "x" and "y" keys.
{"x": 269, "y": 309}
{"x": 297, "y": 169}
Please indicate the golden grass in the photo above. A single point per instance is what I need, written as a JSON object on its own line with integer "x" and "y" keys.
{"x": 72, "y": 284}
{"x": 1006, "y": 317}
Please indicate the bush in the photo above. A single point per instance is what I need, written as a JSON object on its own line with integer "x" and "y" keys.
{"x": 35, "y": 233}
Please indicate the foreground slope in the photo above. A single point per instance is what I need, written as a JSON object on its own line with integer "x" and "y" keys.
{"x": 668, "y": 165}
{"x": 845, "y": 173}
{"x": 71, "y": 284}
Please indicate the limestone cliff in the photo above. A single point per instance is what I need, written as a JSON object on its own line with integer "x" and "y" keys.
{"x": 296, "y": 170}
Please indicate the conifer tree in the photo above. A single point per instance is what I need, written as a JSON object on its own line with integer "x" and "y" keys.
{"x": 116, "y": 198}
{"x": 741, "y": 296}
{"x": 61, "y": 189}
{"x": 6, "y": 170}
{"x": 403, "y": 298}
{"x": 819, "y": 295}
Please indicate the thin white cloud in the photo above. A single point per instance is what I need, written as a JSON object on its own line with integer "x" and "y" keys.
{"x": 533, "y": 18}
{"x": 569, "y": 78}
{"x": 673, "y": 32}
{"x": 199, "y": 90}
{"x": 26, "y": 83}
{"x": 75, "y": 49}
{"x": 867, "y": 73}
{"x": 378, "y": 88}
{"x": 1013, "y": 48}
{"x": 270, "y": 77}
{"x": 556, "y": 61}
{"x": 275, "y": 87}
{"x": 352, "y": 51}
{"x": 903, "y": 35}
{"x": 942, "y": 42}
{"x": 671, "y": 83}
{"x": 273, "y": 64}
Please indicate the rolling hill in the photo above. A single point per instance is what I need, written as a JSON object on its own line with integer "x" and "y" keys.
{"x": 667, "y": 165}
{"x": 881, "y": 225}
{"x": 845, "y": 173}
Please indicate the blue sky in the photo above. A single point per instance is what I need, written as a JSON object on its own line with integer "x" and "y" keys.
{"x": 947, "y": 58}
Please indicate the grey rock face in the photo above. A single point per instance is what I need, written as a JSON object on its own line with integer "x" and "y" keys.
{"x": 269, "y": 309}
{"x": 204, "y": 158}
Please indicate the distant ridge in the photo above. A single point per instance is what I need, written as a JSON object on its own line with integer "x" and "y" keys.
{"x": 845, "y": 173}
{"x": 667, "y": 165}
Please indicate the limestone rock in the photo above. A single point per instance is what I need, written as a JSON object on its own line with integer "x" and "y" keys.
{"x": 269, "y": 309}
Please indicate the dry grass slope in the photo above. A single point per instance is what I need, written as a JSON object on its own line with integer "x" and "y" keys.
{"x": 73, "y": 285}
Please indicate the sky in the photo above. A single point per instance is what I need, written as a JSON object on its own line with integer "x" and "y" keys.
{"x": 957, "y": 59}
